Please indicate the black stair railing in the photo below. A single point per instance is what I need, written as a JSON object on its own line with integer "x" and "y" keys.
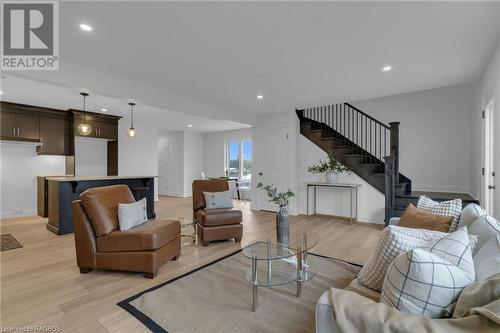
{"x": 367, "y": 136}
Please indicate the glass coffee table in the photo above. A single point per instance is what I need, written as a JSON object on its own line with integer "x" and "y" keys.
{"x": 275, "y": 264}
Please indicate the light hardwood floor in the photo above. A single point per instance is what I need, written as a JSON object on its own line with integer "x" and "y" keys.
{"x": 41, "y": 284}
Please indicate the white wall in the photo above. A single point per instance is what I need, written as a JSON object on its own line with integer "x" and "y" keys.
{"x": 488, "y": 88}
{"x": 215, "y": 149}
{"x": 138, "y": 156}
{"x": 19, "y": 166}
{"x": 171, "y": 164}
{"x": 181, "y": 159}
{"x": 91, "y": 157}
{"x": 194, "y": 159}
{"x": 435, "y": 135}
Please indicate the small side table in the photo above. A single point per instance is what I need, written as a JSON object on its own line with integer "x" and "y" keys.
{"x": 354, "y": 196}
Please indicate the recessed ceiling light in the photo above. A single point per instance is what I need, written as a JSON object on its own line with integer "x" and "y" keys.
{"x": 260, "y": 96}
{"x": 190, "y": 125}
{"x": 104, "y": 110}
{"x": 1, "y": 92}
{"x": 85, "y": 27}
{"x": 386, "y": 68}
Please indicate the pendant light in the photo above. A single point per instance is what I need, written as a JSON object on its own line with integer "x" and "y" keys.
{"x": 131, "y": 130}
{"x": 84, "y": 128}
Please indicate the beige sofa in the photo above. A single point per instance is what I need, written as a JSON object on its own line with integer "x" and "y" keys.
{"x": 325, "y": 322}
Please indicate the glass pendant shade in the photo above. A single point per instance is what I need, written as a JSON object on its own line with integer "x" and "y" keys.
{"x": 84, "y": 128}
{"x": 131, "y": 130}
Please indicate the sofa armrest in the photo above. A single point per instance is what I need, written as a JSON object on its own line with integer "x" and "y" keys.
{"x": 394, "y": 221}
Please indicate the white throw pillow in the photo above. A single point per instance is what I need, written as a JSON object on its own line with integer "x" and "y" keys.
{"x": 445, "y": 208}
{"x": 132, "y": 214}
{"x": 218, "y": 200}
{"x": 487, "y": 259}
{"x": 469, "y": 214}
{"x": 393, "y": 242}
{"x": 485, "y": 227}
{"x": 425, "y": 281}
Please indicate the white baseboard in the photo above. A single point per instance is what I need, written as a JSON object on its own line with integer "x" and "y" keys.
{"x": 12, "y": 214}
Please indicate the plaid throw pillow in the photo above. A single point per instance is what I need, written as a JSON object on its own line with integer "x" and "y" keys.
{"x": 446, "y": 208}
{"x": 426, "y": 280}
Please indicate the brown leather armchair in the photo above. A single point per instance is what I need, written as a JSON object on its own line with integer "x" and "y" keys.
{"x": 100, "y": 244}
{"x": 214, "y": 224}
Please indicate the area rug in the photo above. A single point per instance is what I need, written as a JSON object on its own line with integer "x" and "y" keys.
{"x": 9, "y": 243}
{"x": 217, "y": 298}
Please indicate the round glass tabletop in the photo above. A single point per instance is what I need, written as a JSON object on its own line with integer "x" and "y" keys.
{"x": 298, "y": 242}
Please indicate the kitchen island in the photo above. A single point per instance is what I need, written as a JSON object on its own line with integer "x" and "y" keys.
{"x": 63, "y": 190}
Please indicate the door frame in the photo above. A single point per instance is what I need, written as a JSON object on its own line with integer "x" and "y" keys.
{"x": 489, "y": 154}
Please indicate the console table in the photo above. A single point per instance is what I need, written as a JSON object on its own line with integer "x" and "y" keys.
{"x": 353, "y": 188}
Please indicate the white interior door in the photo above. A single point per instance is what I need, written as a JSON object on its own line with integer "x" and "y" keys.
{"x": 489, "y": 159}
{"x": 271, "y": 149}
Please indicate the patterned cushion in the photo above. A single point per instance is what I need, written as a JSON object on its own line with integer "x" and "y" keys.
{"x": 425, "y": 281}
{"x": 469, "y": 214}
{"x": 393, "y": 242}
{"x": 446, "y": 208}
{"x": 485, "y": 227}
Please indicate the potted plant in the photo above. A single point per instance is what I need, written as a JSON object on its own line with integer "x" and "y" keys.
{"x": 331, "y": 168}
{"x": 281, "y": 199}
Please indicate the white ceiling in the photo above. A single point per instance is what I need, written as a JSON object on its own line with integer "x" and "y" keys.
{"x": 222, "y": 54}
{"x": 48, "y": 95}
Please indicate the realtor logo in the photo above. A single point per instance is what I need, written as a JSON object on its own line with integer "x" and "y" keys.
{"x": 30, "y": 37}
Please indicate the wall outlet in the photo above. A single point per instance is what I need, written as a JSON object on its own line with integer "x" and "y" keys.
{"x": 17, "y": 211}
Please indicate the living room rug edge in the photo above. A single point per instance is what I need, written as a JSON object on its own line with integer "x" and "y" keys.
{"x": 152, "y": 325}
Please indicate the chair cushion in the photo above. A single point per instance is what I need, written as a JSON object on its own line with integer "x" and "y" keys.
{"x": 200, "y": 186}
{"x": 101, "y": 206}
{"x": 132, "y": 214}
{"x": 151, "y": 235}
{"x": 215, "y": 217}
{"x": 419, "y": 219}
{"x": 218, "y": 200}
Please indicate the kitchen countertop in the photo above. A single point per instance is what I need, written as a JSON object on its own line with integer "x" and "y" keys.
{"x": 87, "y": 178}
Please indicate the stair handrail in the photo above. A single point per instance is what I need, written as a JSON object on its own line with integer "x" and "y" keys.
{"x": 368, "y": 116}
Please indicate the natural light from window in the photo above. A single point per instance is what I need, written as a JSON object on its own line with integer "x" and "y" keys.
{"x": 239, "y": 159}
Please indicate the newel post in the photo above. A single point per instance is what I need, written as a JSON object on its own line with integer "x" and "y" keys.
{"x": 394, "y": 151}
{"x": 389, "y": 187}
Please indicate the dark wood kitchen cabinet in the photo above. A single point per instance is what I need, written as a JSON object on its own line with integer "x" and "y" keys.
{"x": 103, "y": 126}
{"x": 20, "y": 126}
{"x": 56, "y": 136}
{"x": 8, "y": 125}
{"x": 28, "y": 126}
{"x": 107, "y": 131}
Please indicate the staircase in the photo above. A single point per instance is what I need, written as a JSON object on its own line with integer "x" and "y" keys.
{"x": 369, "y": 148}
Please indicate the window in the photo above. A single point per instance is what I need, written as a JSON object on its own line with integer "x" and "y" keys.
{"x": 239, "y": 159}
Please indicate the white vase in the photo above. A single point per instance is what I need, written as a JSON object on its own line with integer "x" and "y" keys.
{"x": 332, "y": 177}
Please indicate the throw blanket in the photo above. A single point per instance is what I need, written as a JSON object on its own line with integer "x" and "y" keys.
{"x": 477, "y": 310}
